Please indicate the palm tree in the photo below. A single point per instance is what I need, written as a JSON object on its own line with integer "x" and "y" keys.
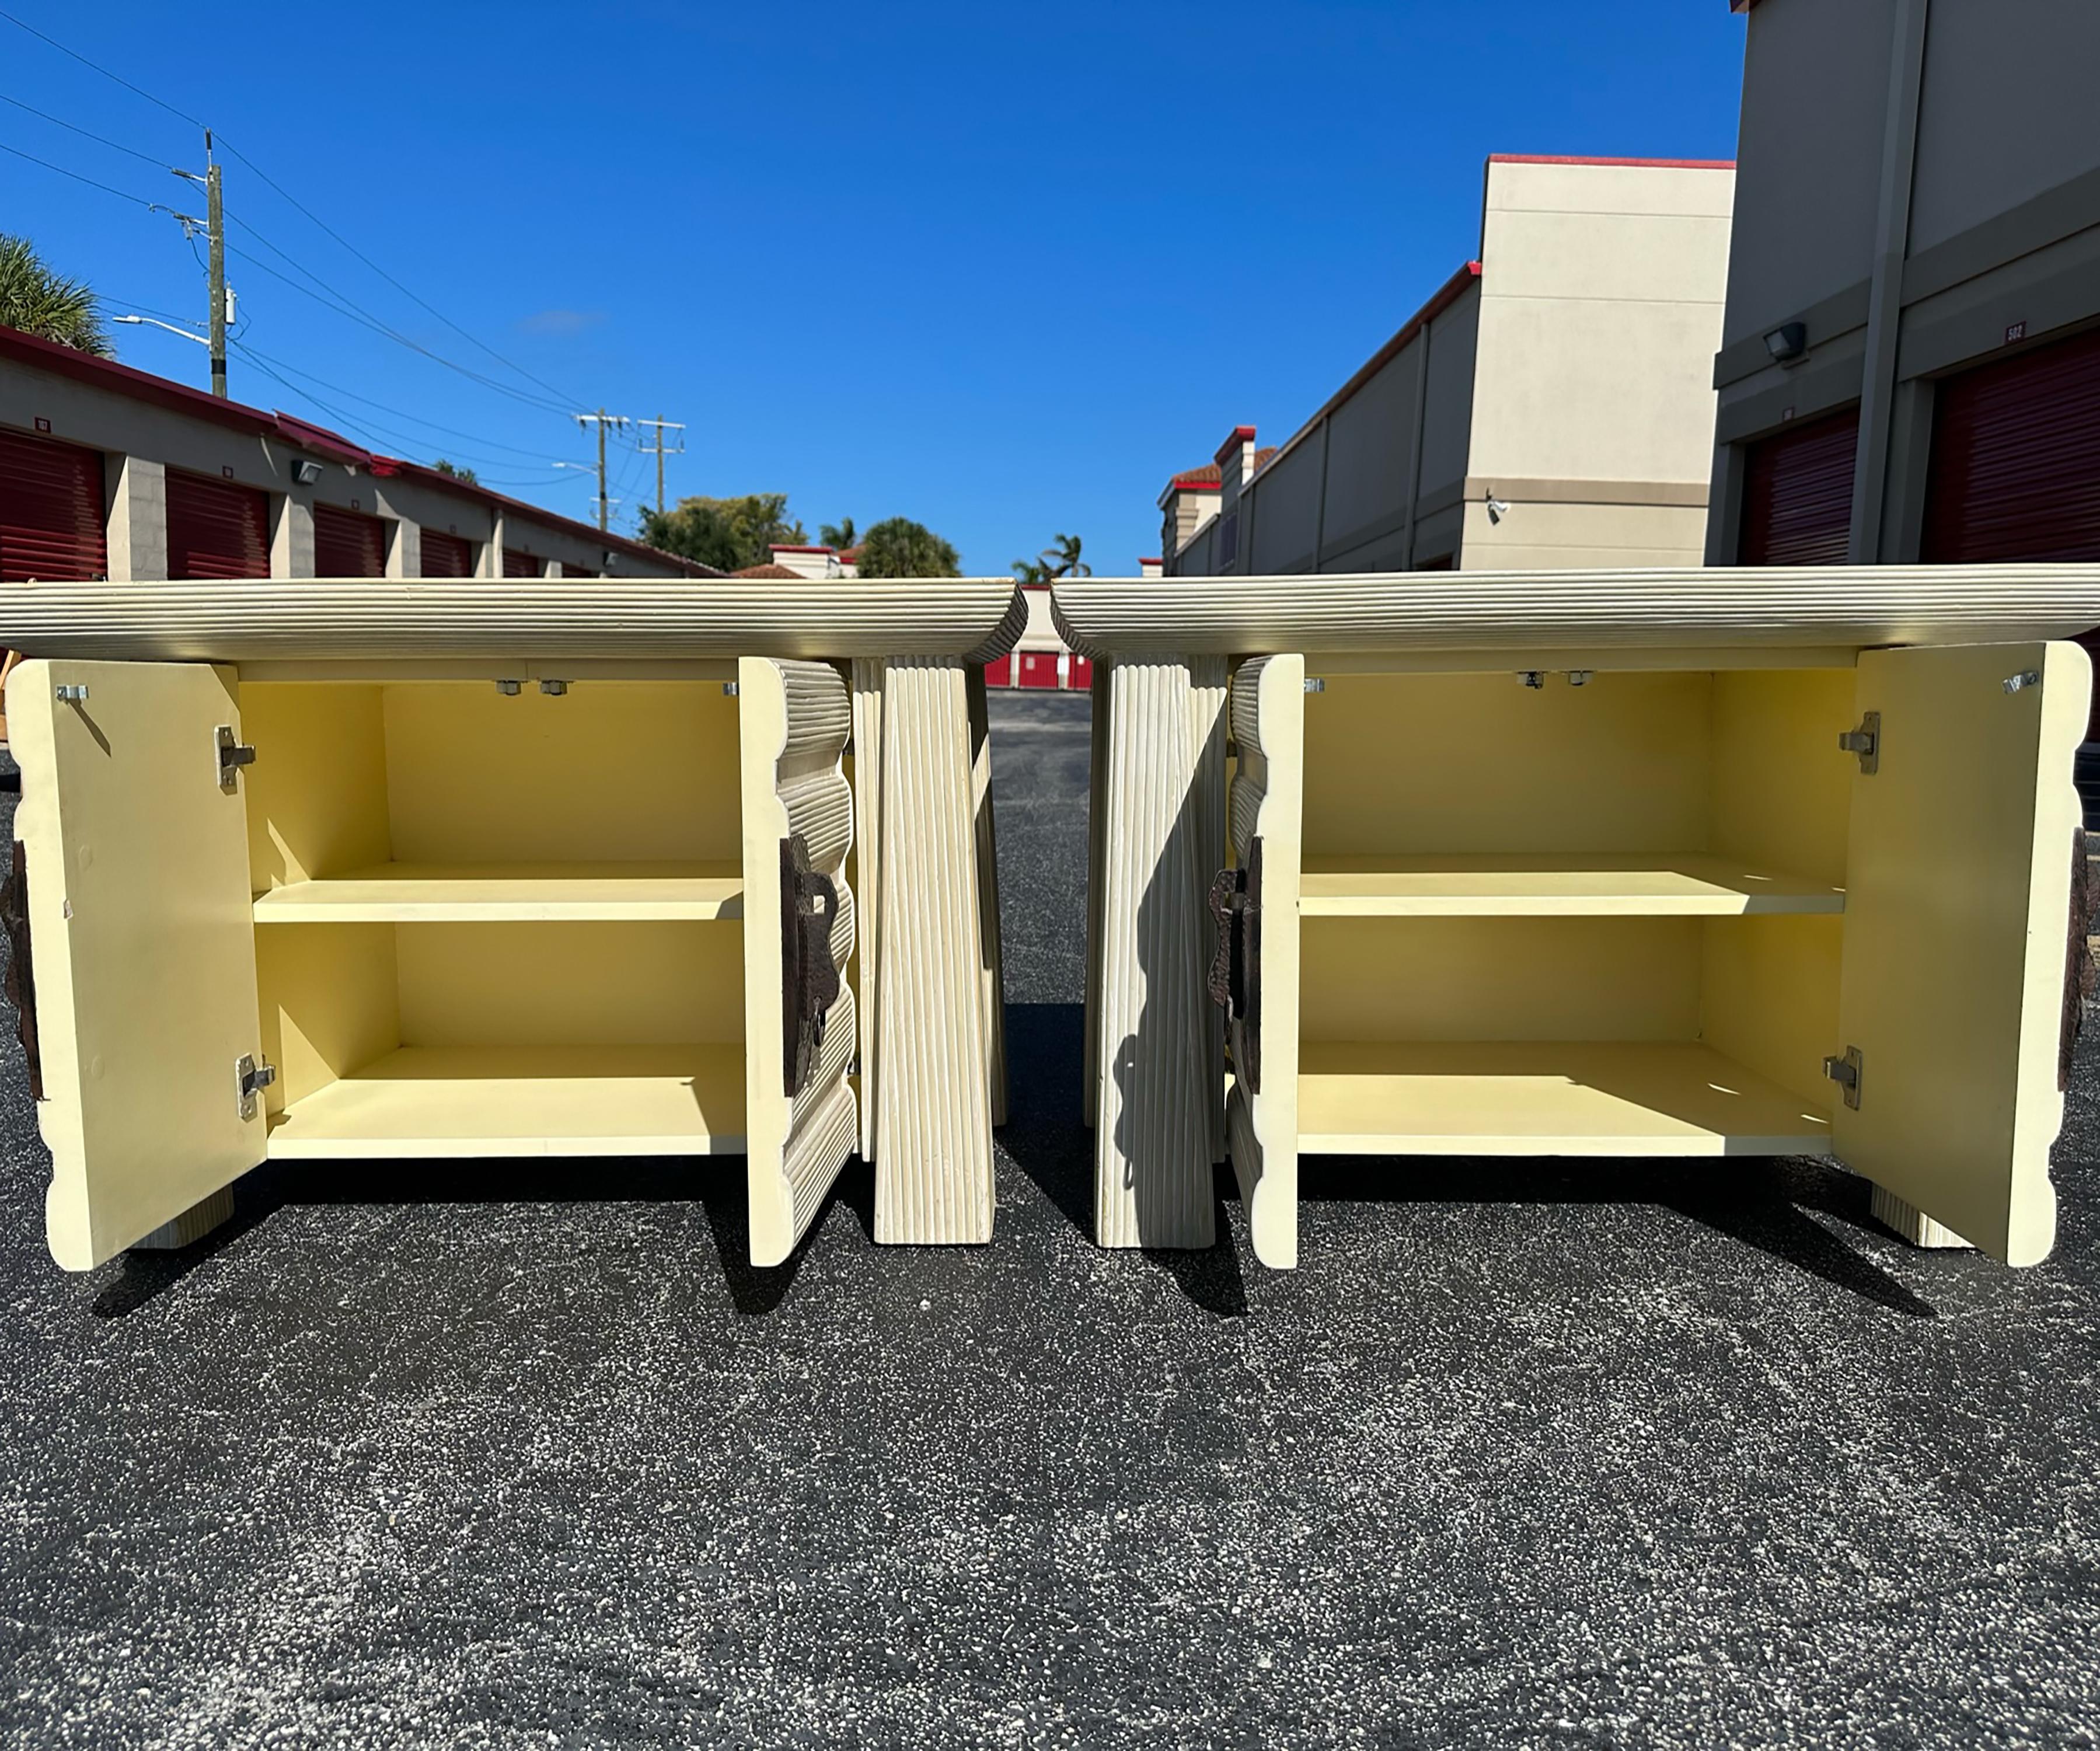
{"x": 1062, "y": 559}
{"x": 40, "y": 301}
{"x": 1029, "y": 572}
{"x": 838, "y": 535}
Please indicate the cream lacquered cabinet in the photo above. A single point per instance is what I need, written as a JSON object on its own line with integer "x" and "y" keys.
{"x": 344, "y": 870}
{"x": 1689, "y": 865}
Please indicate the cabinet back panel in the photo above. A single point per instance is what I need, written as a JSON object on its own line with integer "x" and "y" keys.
{"x": 610, "y": 769}
{"x": 317, "y": 795}
{"x": 1782, "y": 787}
{"x": 1428, "y": 764}
{"x": 570, "y": 984}
{"x": 1500, "y": 978}
{"x": 1768, "y": 997}
{"x": 328, "y": 1003}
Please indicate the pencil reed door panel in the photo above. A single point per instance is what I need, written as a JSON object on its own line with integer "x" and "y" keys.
{"x": 1254, "y": 975}
{"x": 1956, "y": 915}
{"x": 800, "y": 1028}
{"x": 142, "y": 943}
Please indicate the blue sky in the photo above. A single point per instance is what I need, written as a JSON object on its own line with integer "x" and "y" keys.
{"x": 1003, "y": 269}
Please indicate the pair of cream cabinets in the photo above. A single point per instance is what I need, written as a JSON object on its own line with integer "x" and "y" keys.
{"x": 1689, "y": 864}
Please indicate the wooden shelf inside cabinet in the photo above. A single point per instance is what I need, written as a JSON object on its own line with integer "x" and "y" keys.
{"x": 472, "y": 1101}
{"x": 1691, "y": 885}
{"x": 1545, "y": 1098}
{"x": 465, "y": 892}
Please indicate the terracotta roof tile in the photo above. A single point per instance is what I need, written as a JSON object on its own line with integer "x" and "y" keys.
{"x": 769, "y": 571}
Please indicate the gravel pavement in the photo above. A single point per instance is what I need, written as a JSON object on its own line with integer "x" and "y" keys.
{"x": 1524, "y": 1455}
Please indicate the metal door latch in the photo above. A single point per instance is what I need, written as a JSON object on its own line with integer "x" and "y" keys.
{"x": 232, "y": 756}
{"x": 2027, "y": 677}
{"x": 1845, "y": 1072}
{"x": 1865, "y": 742}
{"x": 251, "y": 1076}
{"x": 1235, "y": 980}
{"x": 808, "y": 980}
{"x": 72, "y": 692}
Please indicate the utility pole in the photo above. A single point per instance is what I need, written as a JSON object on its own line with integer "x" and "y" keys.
{"x": 601, "y": 419}
{"x": 660, "y": 453}
{"x": 214, "y": 233}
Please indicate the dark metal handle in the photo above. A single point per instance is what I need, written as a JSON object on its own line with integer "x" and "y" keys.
{"x": 808, "y": 980}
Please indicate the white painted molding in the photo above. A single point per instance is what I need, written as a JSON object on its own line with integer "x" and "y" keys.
{"x": 351, "y": 619}
{"x": 1852, "y": 606}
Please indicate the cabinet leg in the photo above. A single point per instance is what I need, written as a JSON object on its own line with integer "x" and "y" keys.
{"x": 1154, "y": 1141}
{"x": 1911, "y": 1224}
{"x": 192, "y": 1225}
{"x": 933, "y": 1152}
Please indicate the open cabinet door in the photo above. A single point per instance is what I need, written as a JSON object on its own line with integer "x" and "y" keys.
{"x": 142, "y": 937}
{"x": 1957, "y": 904}
{"x": 800, "y": 1029}
{"x": 1255, "y": 975}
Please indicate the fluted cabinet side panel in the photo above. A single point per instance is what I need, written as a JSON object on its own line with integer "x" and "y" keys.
{"x": 1152, "y": 1140}
{"x": 819, "y": 713}
{"x": 1097, "y": 755}
{"x": 991, "y": 963}
{"x": 933, "y": 1178}
{"x": 867, "y": 843}
{"x": 818, "y": 1149}
{"x": 819, "y": 807}
{"x": 1206, "y": 720}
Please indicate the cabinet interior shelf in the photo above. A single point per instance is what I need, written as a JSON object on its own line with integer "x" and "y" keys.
{"x": 480, "y": 1101}
{"x": 433, "y": 892}
{"x": 1652, "y": 886}
{"x": 1582, "y": 1097}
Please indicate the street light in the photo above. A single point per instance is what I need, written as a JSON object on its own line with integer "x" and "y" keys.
{"x": 154, "y": 323}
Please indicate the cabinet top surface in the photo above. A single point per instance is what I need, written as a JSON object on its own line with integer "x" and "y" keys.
{"x": 378, "y": 618}
{"x": 1841, "y": 606}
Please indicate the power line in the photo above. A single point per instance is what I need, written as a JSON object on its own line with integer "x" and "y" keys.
{"x": 97, "y": 67}
{"x": 150, "y": 206}
{"x": 84, "y": 132}
{"x": 564, "y": 399}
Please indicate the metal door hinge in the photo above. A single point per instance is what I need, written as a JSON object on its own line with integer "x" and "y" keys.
{"x": 1315, "y": 684}
{"x": 72, "y": 692}
{"x": 251, "y": 1076}
{"x": 1865, "y": 742}
{"x": 1845, "y": 1072}
{"x": 2027, "y": 677}
{"x": 232, "y": 756}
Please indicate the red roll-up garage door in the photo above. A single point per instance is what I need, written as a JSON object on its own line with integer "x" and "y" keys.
{"x": 348, "y": 545}
{"x": 51, "y": 510}
{"x": 1798, "y": 494}
{"x": 1039, "y": 669}
{"x": 517, "y": 563}
{"x": 216, "y": 529}
{"x": 1000, "y": 674}
{"x": 1082, "y": 673}
{"x": 446, "y": 556}
{"x": 2015, "y": 469}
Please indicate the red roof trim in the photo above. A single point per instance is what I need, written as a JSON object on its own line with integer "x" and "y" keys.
{"x": 1652, "y": 164}
{"x": 1152, "y": 560}
{"x": 1241, "y": 435}
{"x": 782, "y": 547}
{"x": 1440, "y": 301}
{"x": 141, "y": 385}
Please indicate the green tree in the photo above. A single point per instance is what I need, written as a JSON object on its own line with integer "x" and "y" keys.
{"x": 457, "y": 473}
{"x": 1028, "y": 572}
{"x": 39, "y": 300}
{"x": 898, "y": 548}
{"x": 728, "y": 533}
{"x": 1061, "y": 559}
{"x": 840, "y": 535}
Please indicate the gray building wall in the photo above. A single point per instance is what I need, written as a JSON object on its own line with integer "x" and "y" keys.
{"x": 1980, "y": 232}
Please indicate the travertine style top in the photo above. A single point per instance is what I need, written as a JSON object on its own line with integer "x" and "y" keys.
{"x": 1826, "y": 606}
{"x": 368, "y": 618}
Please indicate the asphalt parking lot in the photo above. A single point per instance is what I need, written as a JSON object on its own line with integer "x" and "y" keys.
{"x": 1601, "y": 1455}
